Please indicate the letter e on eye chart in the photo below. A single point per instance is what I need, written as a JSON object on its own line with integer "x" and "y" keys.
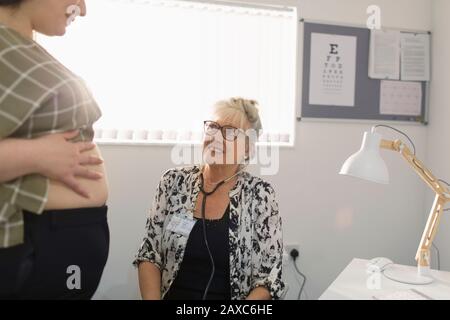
{"x": 333, "y": 70}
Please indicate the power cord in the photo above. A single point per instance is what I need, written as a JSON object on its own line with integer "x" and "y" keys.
{"x": 401, "y": 132}
{"x": 438, "y": 255}
{"x": 294, "y": 254}
{"x": 448, "y": 185}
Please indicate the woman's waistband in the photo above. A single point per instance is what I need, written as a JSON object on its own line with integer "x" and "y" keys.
{"x": 69, "y": 217}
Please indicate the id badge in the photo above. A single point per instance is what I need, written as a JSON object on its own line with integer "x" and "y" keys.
{"x": 181, "y": 225}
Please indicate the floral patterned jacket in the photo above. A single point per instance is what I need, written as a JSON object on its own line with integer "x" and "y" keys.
{"x": 255, "y": 234}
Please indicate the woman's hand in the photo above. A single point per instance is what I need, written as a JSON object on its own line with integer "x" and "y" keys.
{"x": 59, "y": 159}
{"x": 259, "y": 293}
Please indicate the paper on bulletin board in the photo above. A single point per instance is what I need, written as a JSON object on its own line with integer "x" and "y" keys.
{"x": 333, "y": 70}
{"x": 384, "y": 56}
{"x": 415, "y": 57}
{"x": 401, "y": 98}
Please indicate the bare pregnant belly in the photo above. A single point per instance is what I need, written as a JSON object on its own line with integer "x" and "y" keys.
{"x": 62, "y": 197}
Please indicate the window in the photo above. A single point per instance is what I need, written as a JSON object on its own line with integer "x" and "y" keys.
{"x": 156, "y": 67}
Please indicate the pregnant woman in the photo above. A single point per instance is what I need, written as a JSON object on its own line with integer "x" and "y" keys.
{"x": 54, "y": 236}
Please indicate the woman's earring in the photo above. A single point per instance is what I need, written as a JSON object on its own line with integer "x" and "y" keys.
{"x": 247, "y": 155}
{"x": 72, "y": 11}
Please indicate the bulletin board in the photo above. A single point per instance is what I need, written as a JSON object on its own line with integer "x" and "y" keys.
{"x": 367, "y": 91}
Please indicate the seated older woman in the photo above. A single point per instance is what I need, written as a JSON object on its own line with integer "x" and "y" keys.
{"x": 215, "y": 230}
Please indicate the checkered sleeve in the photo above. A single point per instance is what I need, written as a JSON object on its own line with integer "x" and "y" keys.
{"x": 20, "y": 96}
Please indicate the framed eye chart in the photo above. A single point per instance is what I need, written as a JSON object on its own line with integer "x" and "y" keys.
{"x": 333, "y": 68}
{"x": 336, "y": 82}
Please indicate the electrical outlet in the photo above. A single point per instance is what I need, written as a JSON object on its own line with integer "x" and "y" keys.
{"x": 290, "y": 246}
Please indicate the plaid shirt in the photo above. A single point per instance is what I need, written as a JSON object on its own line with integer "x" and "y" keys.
{"x": 38, "y": 96}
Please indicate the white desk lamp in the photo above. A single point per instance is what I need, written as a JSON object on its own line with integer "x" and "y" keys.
{"x": 367, "y": 164}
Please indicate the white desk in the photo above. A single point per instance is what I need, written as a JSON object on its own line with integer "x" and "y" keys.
{"x": 351, "y": 284}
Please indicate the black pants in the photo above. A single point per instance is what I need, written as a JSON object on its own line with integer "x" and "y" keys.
{"x": 63, "y": 256}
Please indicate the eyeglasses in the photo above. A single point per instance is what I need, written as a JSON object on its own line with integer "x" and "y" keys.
{"x": 229, "y": 133}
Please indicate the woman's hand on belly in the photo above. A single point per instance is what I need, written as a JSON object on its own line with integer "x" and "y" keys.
{"x": 66, "y": 162}
{"x": 63, "y": 197}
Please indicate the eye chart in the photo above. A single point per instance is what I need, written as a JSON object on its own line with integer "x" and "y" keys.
{"x": 333, "y": 70}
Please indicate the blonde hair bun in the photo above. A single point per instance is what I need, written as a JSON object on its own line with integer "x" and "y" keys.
{"x": 250, "y": 108}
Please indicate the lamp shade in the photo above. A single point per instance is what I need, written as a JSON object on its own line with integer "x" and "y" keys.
{"x": 367, "y": 163}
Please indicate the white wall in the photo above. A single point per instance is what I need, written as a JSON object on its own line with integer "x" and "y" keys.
{"x": 439, "y": 129}
{"x": 333, "y": 218}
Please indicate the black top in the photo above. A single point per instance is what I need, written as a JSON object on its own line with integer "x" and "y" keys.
{"x": 195, "y": 269}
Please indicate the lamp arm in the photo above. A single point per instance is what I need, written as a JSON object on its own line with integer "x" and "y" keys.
{"x": 418, "y": 167}
{"x": 442, "y": 197}
{"x": 423, "y": 252}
